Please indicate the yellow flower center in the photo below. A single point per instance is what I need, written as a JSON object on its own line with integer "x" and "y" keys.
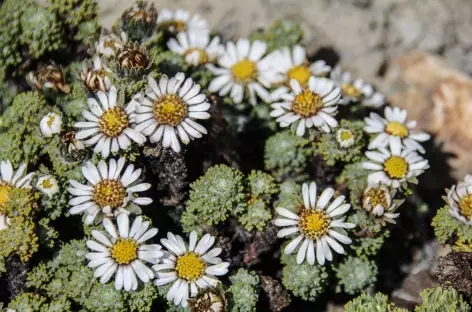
{"x": 300, "y": 73}
{"x": 314, "y": 223}
{"x": 190, "y": 266}
{"x": 202, "y": 55}
{"x": 176, "y": 25}
{"x": 46, "y": 183}
{"x": 348, "y": 89}
{"x": 376, "y": 196}
{"x": 346, "y": 135}
{"x": 101, "y": 73}
{"x": 113, "y": 122}
{"x": 397, "y": 129}
{"x": 110, "y": 43}
{"x": 244, "y": 71}
{"x": 307, "y": 103}
{"x": 5, "y": 191}
{"x": 396, "y": 167}
{"x": 51, "y": 119}
{"x": 465, "y": 206}
{"x": 124, "y": 251}
{"x": 109, "y": 193}
{"x": 170, "y": 110}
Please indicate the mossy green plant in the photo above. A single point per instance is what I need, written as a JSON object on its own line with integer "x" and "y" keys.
{"x": 355, "y": 275}
{"x": 223, "y": 192}
{"x": 449, "y": 230}
{"x": 244, "y": 291}
{"x": 367, "y": 303}
{"x": 332, "y": 147}
{"x": 442, "y": 299}
{"x": 303, "y": 280}
{"x": 41, "y": 31}
{"x": 20, "y": 135}
{"x": 286, "y": 154}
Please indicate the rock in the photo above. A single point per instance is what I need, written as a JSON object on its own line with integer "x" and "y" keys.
{"x": 455, "y": 269}
{"x": 409, "y": 294}
{"x": 279, "y": 298}
{"x": 420, "y": 274}
{"x": 439, "y": 99}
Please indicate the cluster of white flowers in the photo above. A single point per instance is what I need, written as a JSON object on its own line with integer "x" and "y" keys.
{"x": 166, "y": 112}
{"x": 302, "y": 95}
{"x": 110, "y": 193}
{"x": 299, "y": 92}
{"x": 122, "y": 253}
{"x": 393, "y": 158}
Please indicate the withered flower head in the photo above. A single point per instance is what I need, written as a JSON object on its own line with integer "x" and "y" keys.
{"x": 71, "y": 148}
{"x": 208, "y": 300}
{"x": 133, "y": 56}
{"x": 95, "y": 76}
{"x": 141, "y": 12}
{"x": 49, "y": 77}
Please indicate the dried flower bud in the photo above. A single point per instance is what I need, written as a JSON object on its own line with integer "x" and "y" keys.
{"x": 140, "y": 12}
{"x": 49, "y": 77}
{"x": 95, "y": 76}
{"x": 209, "y": 300}
{"x": 133, "y": 58}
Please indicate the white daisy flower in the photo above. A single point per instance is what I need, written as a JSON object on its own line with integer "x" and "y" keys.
{"x": 190, "y": 267}
{"x": 459, "y": 199}
{"x": 344, "y": 137}
{"x": 50, "y": 124}
{"x": 48, "y": 185}
{"x": 180, "y": 20}
{"x": 242, "y": 67}
{"x": 109, "y": 43}
{"x": 123, "y": 252}
{"x": 196, "y": 48}
{"x": 170, "y": 108}
{"x": 394, "y": 128}
{"x": 356, "y": 90}
{"x": 313, "y": 105}
{"x": 9, "y": 180}
{"x": 109, "y": 124}
{"x": 292, "y": 64}
{"x": 395, "y": 166}
{"x": 377, "y": 200}
{"x": 317, "y": 226}
{"x": 108, "y": 191}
